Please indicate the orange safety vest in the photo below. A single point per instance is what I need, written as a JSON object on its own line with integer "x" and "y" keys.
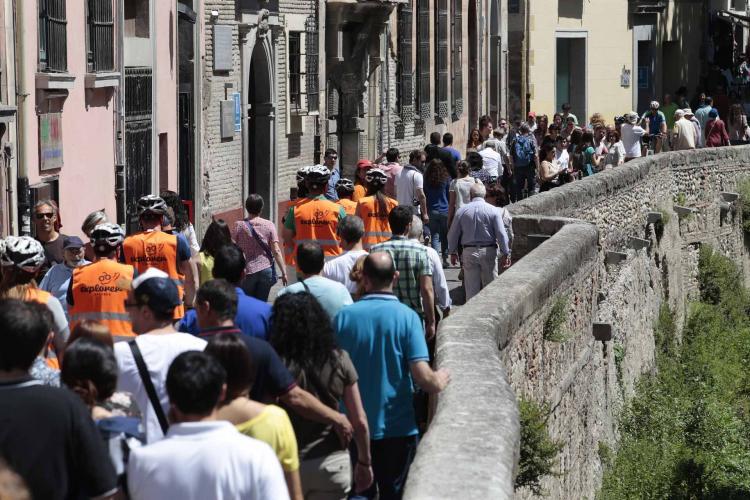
{"x": 99, "y": 294}
{"x": 359, "y": 192}
{"x": 290, "y": 248}
{"x": 42, "y": 297}
{"x": 316, "y": 219}
{"x": 156, "y": 249}
{"x": 349, "y": 206}
{"x": 377, "y": 228}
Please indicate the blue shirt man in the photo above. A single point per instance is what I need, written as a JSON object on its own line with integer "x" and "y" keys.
{"x": 57, "y": 279}
{"x": 329, "y": 160}
{"x": 385, "y": 341}
{"x": 332, "y": 295}
{"x": 253, "y": 317}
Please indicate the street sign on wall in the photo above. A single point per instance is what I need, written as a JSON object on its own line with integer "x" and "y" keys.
{"x": 50, "y": 141}
{"x": 237, "y": 112}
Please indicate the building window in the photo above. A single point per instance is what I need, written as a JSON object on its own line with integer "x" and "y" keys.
{"x": 53, "y": 46}
{"x": 441, "y": 58}
{"x": 100, "y": 56}
{"x": 404, "y": 70}
{"x": 295, "y": 71}
{"x": 311, "y": 66}
{"x": 423, "y": 58}
{"x": 456, "y": 59}
{"x": 514, "y": 6}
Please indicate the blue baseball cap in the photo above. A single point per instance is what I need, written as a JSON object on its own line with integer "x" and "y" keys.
{"x": 72, "y": 242}
{"x": 155, "y": 289}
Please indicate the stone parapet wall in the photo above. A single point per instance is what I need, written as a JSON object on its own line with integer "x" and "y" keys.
{"x": 495, "y": 345}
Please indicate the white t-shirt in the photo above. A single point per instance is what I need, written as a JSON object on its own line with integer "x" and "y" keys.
{"x": 616, "y": 152}
{"x": 562, "y": 159}
{"x": 439, "y": 283}
{"x": 491, "y": 161}
{"x": 202, "y": 460}
{"x": 462, "y": 188}
{"x": 338, "y": 269}
{"x": 158, "y": 350}
{"x": 408, "y": 181}
{"x": 631, "y": 139}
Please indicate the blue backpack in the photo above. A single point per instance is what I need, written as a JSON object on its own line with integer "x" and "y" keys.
{"x": 523, "y": 150}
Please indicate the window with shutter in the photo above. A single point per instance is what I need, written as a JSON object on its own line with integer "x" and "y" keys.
{"x": 423, "y": 58}
{"x": 311, "y": 64}
{"x": 456, "y": 59}
{"x": 100, "y": 55}
{"x": 404, "y": 69}
{"x": 441, "y": 58}
{"x": 53, "y": 46}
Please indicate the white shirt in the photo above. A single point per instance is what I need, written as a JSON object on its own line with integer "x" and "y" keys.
{"x": 408, "y": 181}
{"x": 158, "y": 350}
{"x": 462, "y": 188}
{"x": 631, "y": 139}
{"x": 338, "y": 269}
{"x": 206, "y": 460}
{"x": 616, "y": 153}
{"x": 562, "y": 159}
{"x": 439, "y": 283}
{"x": 491, "y": 161}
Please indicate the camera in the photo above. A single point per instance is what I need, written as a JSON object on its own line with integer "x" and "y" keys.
{"x": 619, "y": 120}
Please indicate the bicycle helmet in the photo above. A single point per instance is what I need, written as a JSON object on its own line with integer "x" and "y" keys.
{"x": 302, "y": 174}
{"x": 107, "y": 234}
{"x": 376, "y": 176}
{"x": 153, "y": 204}
{"x": 318, "y": 174}
{"x": 24, "y": 252}
{"x": 345, "y": 185}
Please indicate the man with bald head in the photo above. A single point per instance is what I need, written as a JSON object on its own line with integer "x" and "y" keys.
{"x": 385, "y": 342}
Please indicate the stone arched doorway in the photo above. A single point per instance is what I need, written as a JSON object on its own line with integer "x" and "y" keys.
{"x": 260, "y": 126}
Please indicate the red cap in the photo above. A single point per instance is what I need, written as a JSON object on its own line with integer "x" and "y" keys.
{"x": 532, "y": 114}
{"x": 364, "y": 164}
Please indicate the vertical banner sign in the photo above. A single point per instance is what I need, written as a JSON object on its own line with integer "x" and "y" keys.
{"x": 237, "y": 112}
{"x": 50, "y": 141}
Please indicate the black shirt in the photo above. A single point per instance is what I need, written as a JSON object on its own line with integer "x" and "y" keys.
{"x": 48, "y": 437}
{"x": 436, "y": 152}
{"x": 53, "y": 254}
{"x": 272, "y": 378}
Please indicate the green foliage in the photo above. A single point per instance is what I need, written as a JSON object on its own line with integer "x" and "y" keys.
{"x": 743, "y": 188}
{"x": 538, "y": 452}
{"x": 666, "y": 216}
{"x": 554, "y": 326}
{"x": 680, "y": 199}
{"x": 686, "y": 433}
{"x": 606, "y": 455}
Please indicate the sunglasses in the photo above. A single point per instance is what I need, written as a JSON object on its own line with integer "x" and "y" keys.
{"x": 45, "y": 215}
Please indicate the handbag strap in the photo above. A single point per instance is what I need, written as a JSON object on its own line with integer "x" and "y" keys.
{"x": 149, "y": 386}
{"x": 263, "y": 245}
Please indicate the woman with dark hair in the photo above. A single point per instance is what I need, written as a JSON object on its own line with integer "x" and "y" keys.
{"x": 557, "y": 119}
{"x": 458, "y": 191}
{"x": 374, "y": 208}
{"x": 475, "y": 140}
{"x": 436, "y": 189}
{"x": 574, "y": 151}
{"x": 217, "y": 235}
{"x": 90, "y": 370}
{"x": 737, "y": 124}
{"x": 549, "y": 176}
{"x": 268, "y": 423}
{"x": 301, "y": 333}
{"x": 716, "y": 132}
{"x": 542, "y": 125}
{"x": 181, "y": 221}
{"x": 589, "y": 158}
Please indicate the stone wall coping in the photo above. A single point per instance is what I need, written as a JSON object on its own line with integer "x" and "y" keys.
{"x": 471, "y": 447}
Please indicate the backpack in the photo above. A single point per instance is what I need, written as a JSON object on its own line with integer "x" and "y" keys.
{"x": 523, "y": 150}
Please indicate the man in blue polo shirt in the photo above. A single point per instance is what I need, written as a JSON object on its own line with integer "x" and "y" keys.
{"x": 253, "y": 316}
{"x": 386, "y": 343}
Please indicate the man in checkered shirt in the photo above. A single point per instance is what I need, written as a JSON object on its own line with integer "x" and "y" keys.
{"x": 414, "y": 286}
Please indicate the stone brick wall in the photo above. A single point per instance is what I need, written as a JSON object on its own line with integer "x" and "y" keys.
{"x": 584, "y": 382}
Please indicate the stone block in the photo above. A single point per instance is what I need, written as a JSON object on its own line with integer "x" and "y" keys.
{"x": 534, "y": 240}
{"x": 684, "y": 211}
{"x": 653, "y": 217}
{"x": 614, "y": 258}
{"x": 602, "y": 332}
{"x": 638, "y": 243}
{"x": 729, "y": 196}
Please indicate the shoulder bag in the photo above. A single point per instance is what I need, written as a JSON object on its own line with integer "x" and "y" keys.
{"x": 149, "y": 386}
{"x": 266, "y": 250}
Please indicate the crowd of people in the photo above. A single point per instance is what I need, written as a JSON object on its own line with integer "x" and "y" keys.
{"x": 152, "y": 365}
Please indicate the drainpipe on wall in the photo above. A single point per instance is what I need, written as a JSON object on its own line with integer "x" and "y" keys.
{"x": 119, "y": 101}
{"x": 386, "y": 70}
{"x": 22, "y": 186}
{"x": 527, "y": 38}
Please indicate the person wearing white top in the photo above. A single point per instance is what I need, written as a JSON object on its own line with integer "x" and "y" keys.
{"x": 459, "y": 188}
{"x": 439, "y": 283}
{"x": 631, "y": 135}
{"x": 151, "y": 304}
{"x": 202, "y": 457}
{"x": 562, "y": 158}
{"x": 410, "y": 184}
{"x": 491, "y": 158}
{"x": 350, "y": 230}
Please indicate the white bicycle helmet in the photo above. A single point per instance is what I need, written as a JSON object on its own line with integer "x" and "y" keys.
{"x": 345, "y": 184}
{"x": 107, "y": 234}
{"x": 151, "y": 203}
{"x": 302, "y": 174}
{"x": 24, "y": 252}
{"x": 376, "y": 176}
{"x": 318, "y": 174}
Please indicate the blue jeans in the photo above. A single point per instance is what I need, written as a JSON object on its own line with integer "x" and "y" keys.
{"x": 439, "y": 230}
{"x": 258, "y": 284}
{"x": 525, "y": 174}
{"x": 391, "y": 459}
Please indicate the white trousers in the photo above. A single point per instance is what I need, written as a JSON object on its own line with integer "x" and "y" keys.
{"x": 480, "y": 268}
